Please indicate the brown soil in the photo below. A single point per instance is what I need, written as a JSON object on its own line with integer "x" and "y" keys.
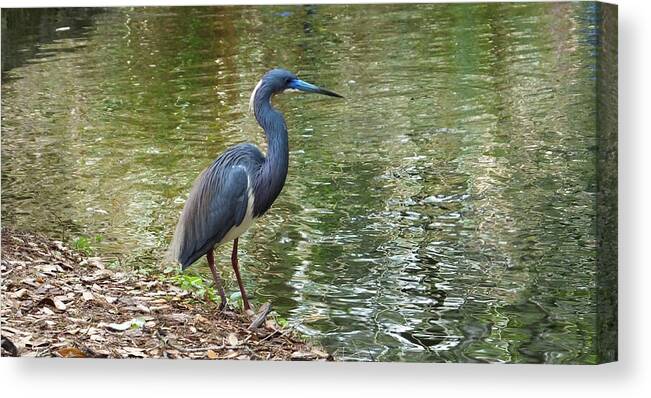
{"x": 57, "y": 303}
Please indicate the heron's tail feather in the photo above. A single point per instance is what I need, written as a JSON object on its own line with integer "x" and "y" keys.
{"x": 176, "y": 245}
{"x": 181, "y": 250}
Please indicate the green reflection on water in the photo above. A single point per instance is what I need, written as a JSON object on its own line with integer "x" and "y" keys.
{"x": 443, "y": 212}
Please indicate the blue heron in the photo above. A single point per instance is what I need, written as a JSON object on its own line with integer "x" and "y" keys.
{"x": 239, "y": 186}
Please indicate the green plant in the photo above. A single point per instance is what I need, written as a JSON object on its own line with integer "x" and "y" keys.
{"x": 282, "y": 322}
{"x": 235, "y": 299}
{"x": 84, "y": 244}
{"x": 195, "y": 285}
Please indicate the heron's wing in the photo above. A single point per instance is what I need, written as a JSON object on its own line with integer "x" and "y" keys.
{"x": 217, "y": 203}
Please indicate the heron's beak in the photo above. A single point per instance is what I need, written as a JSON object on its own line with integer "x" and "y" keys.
{"x": 298, "y": 84}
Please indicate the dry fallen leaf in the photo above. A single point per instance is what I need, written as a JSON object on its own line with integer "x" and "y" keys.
{"x": 47, "y": 311}
{"x": 134, "y": 351}
{"x": 18, "y": 294}
{"x": 212, "y": 354}
{"x": 200, "y": 318}
{"x": 231, "y": 355}
{"x": 143, "y": 308}
{"x": 92, "y": 331}
{"x": 232, "y": 340}
{"x": 87, "y": 296}
{"x": 30, "y": 282}
{"x": 71, "y": 352}
{"x": 120, "y": 327}
{"x": 179, "y": 317}
{"x": 49, "y": 268}
{"x": 59, "y": 305}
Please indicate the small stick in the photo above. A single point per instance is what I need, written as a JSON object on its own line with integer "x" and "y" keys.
{"x": 261, "y": 317}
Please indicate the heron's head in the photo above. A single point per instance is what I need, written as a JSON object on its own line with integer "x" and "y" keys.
{"x": 277, "y": 81}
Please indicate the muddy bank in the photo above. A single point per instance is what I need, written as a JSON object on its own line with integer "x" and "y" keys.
{"x": 58, "y": 303}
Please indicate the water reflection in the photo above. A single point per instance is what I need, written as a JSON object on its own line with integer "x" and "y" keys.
{"x": 444, "y": 212}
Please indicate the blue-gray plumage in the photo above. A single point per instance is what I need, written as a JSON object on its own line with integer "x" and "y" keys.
{"x": 240, "y": 185}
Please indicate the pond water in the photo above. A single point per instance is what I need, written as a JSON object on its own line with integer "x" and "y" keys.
{"x": 444, "y": 211}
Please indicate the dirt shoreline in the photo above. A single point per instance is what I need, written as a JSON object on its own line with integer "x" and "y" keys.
{"x": 58, "y": 303}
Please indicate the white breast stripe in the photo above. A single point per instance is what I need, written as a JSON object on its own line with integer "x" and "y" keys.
{"x": 255, "y": 90}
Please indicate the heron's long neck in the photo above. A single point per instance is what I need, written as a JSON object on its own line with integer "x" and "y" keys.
{"x": 271, "y": 178}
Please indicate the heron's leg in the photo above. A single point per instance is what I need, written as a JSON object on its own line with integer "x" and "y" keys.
{"x": 217, "y": 278}
{"x": 234, "y": 262}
